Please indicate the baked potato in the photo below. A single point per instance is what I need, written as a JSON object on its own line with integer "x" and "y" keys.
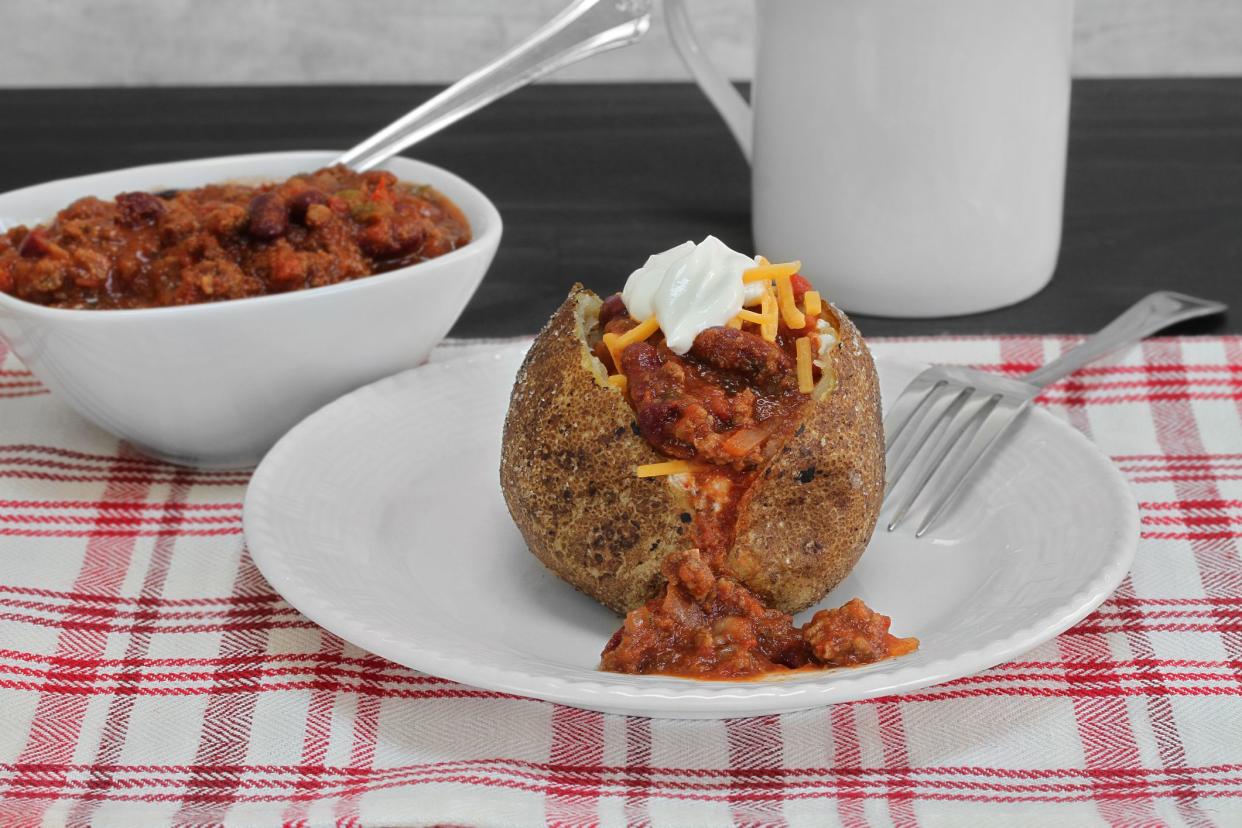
{"x": 572, "y": 442}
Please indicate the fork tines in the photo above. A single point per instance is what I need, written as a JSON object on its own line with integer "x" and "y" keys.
{"x": 940, "y": 427}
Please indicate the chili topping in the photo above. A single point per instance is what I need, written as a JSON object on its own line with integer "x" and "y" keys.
{"x": 228, "y": 241}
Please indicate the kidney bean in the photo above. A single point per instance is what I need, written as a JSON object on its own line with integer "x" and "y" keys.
{"x": 751, "y": 356}
{"x": 269, "y": 216}
{"x": 610, "y": 309}
{"x": 138, "y": 209}
{"x": 659, "y": 421}
{"x": 641, "y": 357}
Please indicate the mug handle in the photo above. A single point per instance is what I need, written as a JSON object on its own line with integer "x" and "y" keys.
{"x": 728, "y": 102}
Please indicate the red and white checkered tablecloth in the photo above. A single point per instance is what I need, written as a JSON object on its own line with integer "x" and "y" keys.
{"x": 150, "y": 676}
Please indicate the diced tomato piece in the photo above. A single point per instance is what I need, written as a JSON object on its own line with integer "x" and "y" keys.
{"x": 800, "y": 286}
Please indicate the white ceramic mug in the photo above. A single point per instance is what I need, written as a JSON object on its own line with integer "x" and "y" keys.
{"x": 910, "y": 152}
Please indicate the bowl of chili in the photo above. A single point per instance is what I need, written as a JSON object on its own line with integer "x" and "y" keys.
{"x": 198, "y": 309}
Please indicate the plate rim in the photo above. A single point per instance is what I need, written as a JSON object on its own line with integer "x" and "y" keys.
{"x": 665, "y": 697}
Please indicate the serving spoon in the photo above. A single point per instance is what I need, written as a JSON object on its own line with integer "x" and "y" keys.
{"x": 582, "y": 29}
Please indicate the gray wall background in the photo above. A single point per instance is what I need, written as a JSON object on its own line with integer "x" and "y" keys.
{"x": 178, "y": 42}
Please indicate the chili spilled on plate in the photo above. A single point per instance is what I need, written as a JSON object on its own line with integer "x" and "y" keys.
{"x": 228, "y": 241}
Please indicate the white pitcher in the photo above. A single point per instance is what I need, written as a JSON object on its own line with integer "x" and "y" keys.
{"x": 910, "y": 152}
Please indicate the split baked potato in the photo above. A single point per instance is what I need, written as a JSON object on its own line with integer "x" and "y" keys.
{"x": 572, "y": 443}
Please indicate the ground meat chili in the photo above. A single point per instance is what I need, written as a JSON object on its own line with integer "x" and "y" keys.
{"x": 719, "y": 402}
{"x": 853, "y": 634}
{"x": 727, "y": 404}
{"x": 228, "y": 241}
{"x": 706, "y": 625}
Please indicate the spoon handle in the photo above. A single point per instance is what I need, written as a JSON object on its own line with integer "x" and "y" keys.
{"x": 582, "y": 29}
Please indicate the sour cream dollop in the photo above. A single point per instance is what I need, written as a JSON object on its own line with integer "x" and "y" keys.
{"x": 690, "y": 288}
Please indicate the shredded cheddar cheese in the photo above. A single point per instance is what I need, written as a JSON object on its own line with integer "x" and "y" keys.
{"x": 768, "y": 327}
{"x": 735, "y": 323}
{"x": 785, "y": 298}
{"x": 767, "y": 272}
{"x": 806, "y": 379}
{"x": 814, "y": 307}
{"x": 644, "y": 330}
{"x": 665, "y": 468}
{"x": 614, "y": 350}
{"x": 751, "y": 316}
{"x": 619, "y": 381}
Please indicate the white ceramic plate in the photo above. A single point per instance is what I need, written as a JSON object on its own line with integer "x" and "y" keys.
{"x": 380, "y": 517}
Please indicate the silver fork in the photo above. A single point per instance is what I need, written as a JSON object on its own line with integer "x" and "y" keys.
{"x": 948, "y": 418}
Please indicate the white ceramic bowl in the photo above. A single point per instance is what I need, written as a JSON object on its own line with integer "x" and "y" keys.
{"x": 216, "y": 384}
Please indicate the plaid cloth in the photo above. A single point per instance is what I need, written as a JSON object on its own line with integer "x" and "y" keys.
{"x": 149, "y": 675}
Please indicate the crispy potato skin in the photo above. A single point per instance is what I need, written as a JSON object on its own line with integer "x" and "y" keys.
{"x": 567, "y": 470}
{"x": 806, "y": 521}
{"x": 567, "y": 473}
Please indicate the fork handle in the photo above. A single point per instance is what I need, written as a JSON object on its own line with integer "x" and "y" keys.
{"x": 1152, "y": 313}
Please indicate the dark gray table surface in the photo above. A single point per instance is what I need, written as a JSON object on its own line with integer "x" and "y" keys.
{"x": 592, "y": 178}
